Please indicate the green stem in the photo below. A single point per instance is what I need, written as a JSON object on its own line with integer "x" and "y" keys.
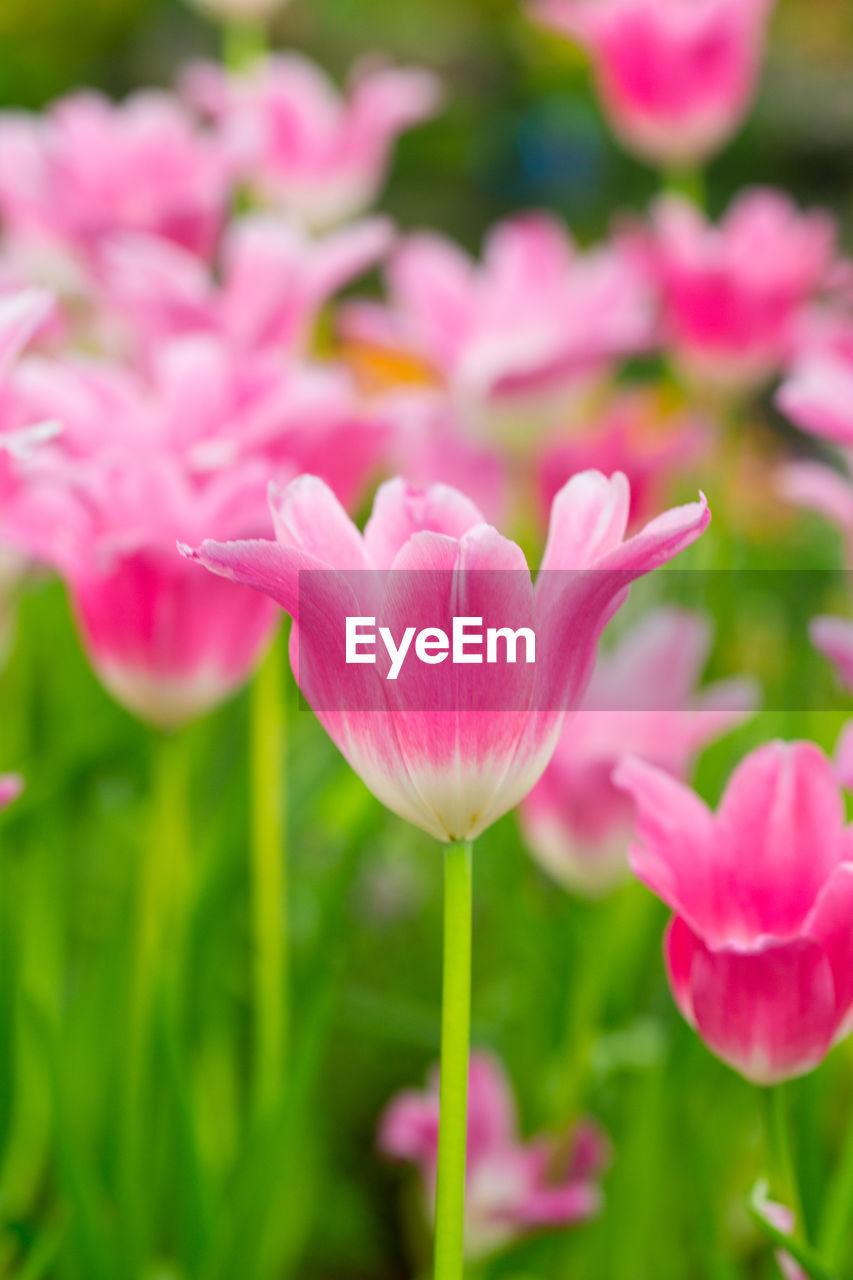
{"x": 455, "y": 1036}
{"x": 687, "y": 183}
{"x": 837, "y": 1220}
{"x": 163, "y": 876}
{"x": 244, "y": 43}
{"x": 270, "y": 970}
{"x": 782, "y": 1169}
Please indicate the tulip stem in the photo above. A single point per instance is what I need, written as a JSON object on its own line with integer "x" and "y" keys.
{"x": 689, "y": 184}
{"x": 270, "y": 976}
{"x": 244, "y": 43}
{"x": 782, "y": 1168}
{"x": 162, "y": 883}
{"x": 455, "y": 1036}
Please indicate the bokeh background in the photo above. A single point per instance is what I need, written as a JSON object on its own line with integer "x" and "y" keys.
{"x": 571, "y": 994}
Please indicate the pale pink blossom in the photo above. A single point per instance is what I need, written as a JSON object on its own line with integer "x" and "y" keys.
{"x": 676, "y": 77}
{"x": 303, "y": 147}
{"x": 266, "y": 292}
{"x": 759, "y": 951}
{"x": 734, "y": 294}
{"x": 514, "y": 336}
{"x": 449, "y": 749}
{"x": 644, "y": 700}
{"x": 90, "y": 167}
{"x": 513, "y": 1187}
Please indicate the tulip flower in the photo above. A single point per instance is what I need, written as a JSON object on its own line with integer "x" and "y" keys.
{"x": 303, "y": 148}
{"x": 267, "y": 294}
{"x": 643, "y": 701}
{"x": 734, "y": 294}
{"x": 90, "y": 168}
{"x": 759, "y": 951}
{"x": 513, "y": 1187}
{"x": 514, "y": 337}
{"x": 676, "y": 79}
{"x": 428, "y": 759}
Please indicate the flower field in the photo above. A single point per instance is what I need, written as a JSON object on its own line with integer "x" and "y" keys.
{"x": 426, "y": 640}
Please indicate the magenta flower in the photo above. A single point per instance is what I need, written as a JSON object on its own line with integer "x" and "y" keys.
{"x": 267, "y": 293}
{"x": 89, "y": 168}
{"x": 513, "y": 336}
{"x": 301, "y": 146}
{"x": 448, "y": 754}
{"x": 734, "y": 294}
{"x": 759, "y": 951}
{"x": 512, "y": 1187}
{"x": 676, "y": 78}
{"x": 10, "y": 788}
{"x": 643, "y": 701}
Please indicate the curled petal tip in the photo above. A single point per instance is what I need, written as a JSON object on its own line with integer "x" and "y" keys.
{"x": 188, "y": 552}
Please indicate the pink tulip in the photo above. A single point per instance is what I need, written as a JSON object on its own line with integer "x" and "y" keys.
{"x": 105, "y": 504}
{"x": 450, "y": 753}
{"x": 513, "y": 1187}
{"x": 635, "y": 434}
{"x": 305, "y": 149}
{"x": 759, "y": 951}
{"x": 90, "y": 168}
{"x": 676, "y": 77}
{"x": 734, "y": 294}
{"x": 512, "y": 337}
{"x": 643, "y": 701}
{"x": 10, "y": 789}
{"x": 268, "y": 292}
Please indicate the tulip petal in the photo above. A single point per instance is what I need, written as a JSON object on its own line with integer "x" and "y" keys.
{"x": 779, "y": 828}
{"x": 400, "y": 511}
{"x": 674, "y": 850}
{"x": 770, "y": 1012}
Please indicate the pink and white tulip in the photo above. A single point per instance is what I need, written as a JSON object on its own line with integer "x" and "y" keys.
{"x": 90, "y": 168}
{"x": 514, "y": 336}
{"x": 642, "y": 701}
{"x": 735, "y": 294}
{"x": 759, "y": 951}
{"x": 513, "y": 1187}
{"x": 676, "y": 77}
{"x": 449, "y": 753}
{"x": 301, "y": 146}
